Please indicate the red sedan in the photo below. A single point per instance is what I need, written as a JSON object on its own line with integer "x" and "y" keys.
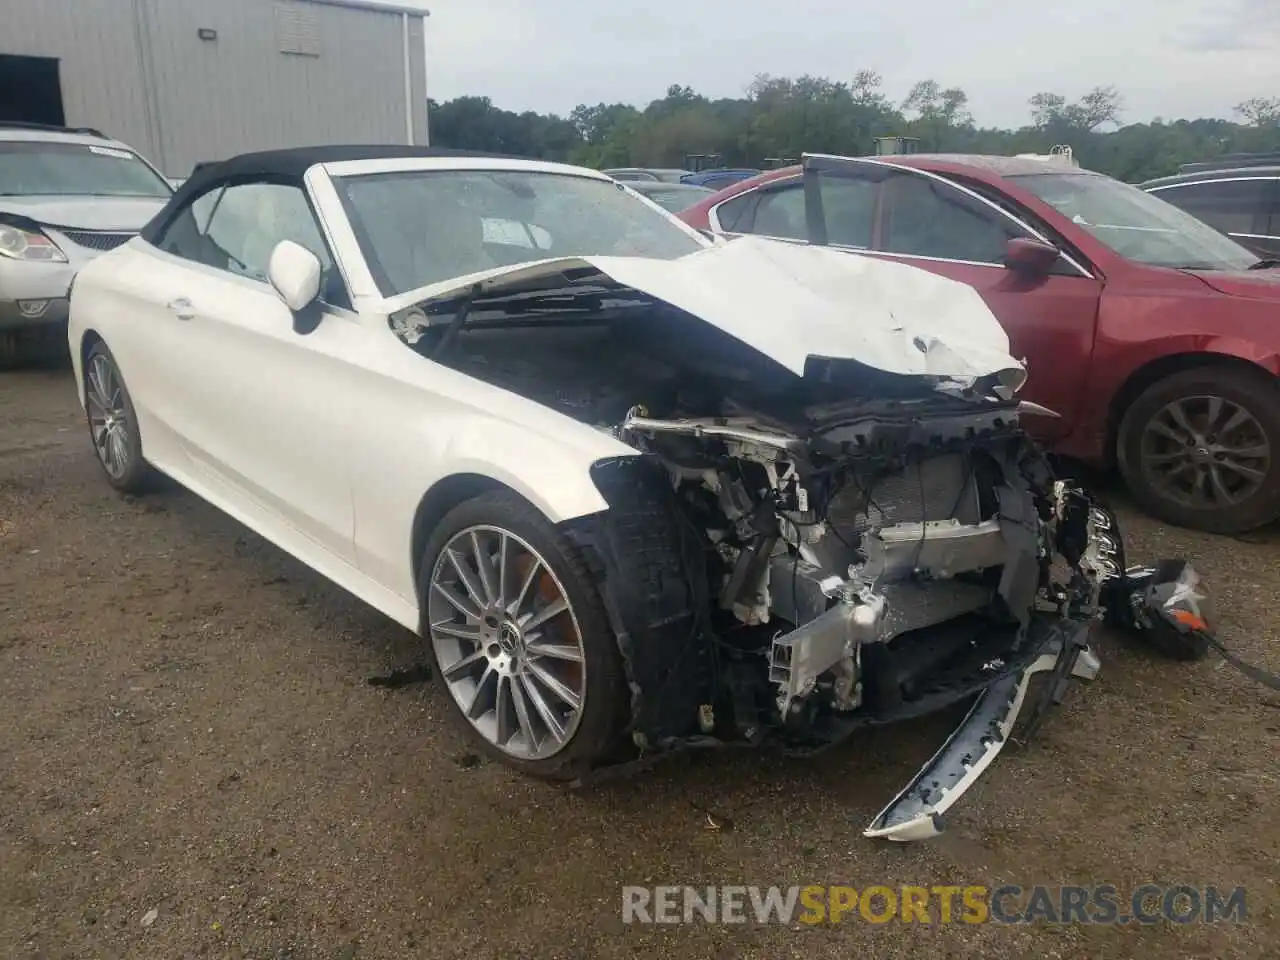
{"x": 1154, "y": 337}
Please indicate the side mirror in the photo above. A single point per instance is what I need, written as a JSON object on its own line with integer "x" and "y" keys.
{"x": 1030, "y": 257}
{"x": 295, "y": 273}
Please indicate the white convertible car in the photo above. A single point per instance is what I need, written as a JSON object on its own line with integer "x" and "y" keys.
{"x": 639, "y": 491}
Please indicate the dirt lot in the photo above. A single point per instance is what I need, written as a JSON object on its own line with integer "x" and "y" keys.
{"x": 186, "y": 727}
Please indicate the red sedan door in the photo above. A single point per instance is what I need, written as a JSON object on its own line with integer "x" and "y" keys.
{"x": 1051, "y": 319}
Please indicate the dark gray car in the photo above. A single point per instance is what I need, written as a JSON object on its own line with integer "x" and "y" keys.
{"x": 647, "y": 174}
{"x": 1239, "y": 196}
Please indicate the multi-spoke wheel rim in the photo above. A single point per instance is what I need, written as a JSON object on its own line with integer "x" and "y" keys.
{"x": 108, "y": 415}
{"x": 1205, "y": 452}
{"x": 507, "y": 642}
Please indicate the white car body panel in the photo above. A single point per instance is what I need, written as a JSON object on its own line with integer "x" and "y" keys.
{"x": 332, "y": 475}
{"x": 326, "y": 443}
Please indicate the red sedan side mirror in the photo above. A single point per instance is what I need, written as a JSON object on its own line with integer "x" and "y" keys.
{"x": 1030, "y": 256}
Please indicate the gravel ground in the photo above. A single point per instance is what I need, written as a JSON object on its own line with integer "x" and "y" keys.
{"x": 192, "y": 763}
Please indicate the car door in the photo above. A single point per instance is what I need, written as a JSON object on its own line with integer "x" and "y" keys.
{"x": 151, "y": 350}
{"x": 1051, "y": 319}
{"x": 1239, "y": 206}
{"x": 263, "y": 413}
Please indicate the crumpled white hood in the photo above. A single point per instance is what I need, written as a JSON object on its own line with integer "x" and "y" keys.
{"x": 794, "y": 301}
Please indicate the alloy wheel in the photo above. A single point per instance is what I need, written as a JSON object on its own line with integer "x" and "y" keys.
{"x": 507, "y": 642}
{"x": 109, "y": 421}
{"x": 1205, "y": 452}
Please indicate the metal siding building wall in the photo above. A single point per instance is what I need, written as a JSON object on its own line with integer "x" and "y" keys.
{"x": 98, "y": 46}
{"x": 418, "y": 79}
{"x": 138, "y": 69}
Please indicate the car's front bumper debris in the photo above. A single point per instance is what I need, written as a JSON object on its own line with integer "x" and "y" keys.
{"x": 916, "y": 812}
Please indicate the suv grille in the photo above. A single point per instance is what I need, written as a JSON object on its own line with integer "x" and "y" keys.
{"x": 98, "y": 241}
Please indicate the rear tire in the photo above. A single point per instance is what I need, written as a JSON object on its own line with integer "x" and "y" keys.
{"x": 512, "y": 680}
{"x": 113, "y": 423}
{"x": 1201, "y": 449}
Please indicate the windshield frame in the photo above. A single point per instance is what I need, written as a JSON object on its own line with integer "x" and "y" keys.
{"x": 1220, "y": 252}
{"x": 117, "y": 152}
{"x": 325, "y": 181}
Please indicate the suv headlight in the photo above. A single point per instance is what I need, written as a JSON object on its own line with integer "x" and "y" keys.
{"x": 19, "y": 244}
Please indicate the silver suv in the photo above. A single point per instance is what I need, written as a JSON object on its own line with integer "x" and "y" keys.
{"x": 66, "y": 195}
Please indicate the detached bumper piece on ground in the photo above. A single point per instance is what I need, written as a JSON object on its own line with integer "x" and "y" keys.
{"x": 916, "y": 812}
{"x": 1169, "y": 607}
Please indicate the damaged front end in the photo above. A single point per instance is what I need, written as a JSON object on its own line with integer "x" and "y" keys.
{"x": 884, "y": 561}
{"x": 828, "y": 518}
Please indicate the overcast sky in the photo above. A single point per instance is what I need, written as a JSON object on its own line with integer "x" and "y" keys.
{"x": 1169, "y": 58}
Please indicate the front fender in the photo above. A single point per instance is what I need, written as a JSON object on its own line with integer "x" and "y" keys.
{"x": 546, "y": 461}
{"x": 555, "y": 479}
{"x": 76, "y": 333}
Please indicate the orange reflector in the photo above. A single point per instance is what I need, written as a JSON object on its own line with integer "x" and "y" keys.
{"x": 1192, "y": 620}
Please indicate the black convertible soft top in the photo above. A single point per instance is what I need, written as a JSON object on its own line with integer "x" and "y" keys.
{"x": 289, "y": 166}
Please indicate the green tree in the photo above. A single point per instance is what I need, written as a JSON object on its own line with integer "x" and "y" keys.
{"x": 937, "y": 111}
{"x": 605, "y": 131}
{"x": 1260, "y": 111}
{"x": 474, "y": 123}
{"x": 787, "y": 116}
{"x": 815, "y": 114}
{"x": 1051, "y": 112}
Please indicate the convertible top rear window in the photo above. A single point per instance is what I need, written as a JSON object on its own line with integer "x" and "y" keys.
{"x": 421, "y": 227}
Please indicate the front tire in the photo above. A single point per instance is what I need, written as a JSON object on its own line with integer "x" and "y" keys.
{"x": 113, "y": 423}
{"x": 519, "y": 638}
{"x": 1201, "y": 449}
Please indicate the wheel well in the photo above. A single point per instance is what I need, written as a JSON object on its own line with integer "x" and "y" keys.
{"x": 439, "y": 500}
{"x": 90, "y": 339}
{"x": 87, "y": 343}
{"x": 1155, "y": 371}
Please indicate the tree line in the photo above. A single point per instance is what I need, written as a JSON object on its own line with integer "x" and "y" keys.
{"x": 781, "y": 117}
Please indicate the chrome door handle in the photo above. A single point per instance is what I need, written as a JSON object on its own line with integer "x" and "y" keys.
{"x": 182, "y": 308}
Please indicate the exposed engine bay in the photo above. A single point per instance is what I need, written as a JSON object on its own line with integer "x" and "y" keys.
{"x": 793, "y": 558}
